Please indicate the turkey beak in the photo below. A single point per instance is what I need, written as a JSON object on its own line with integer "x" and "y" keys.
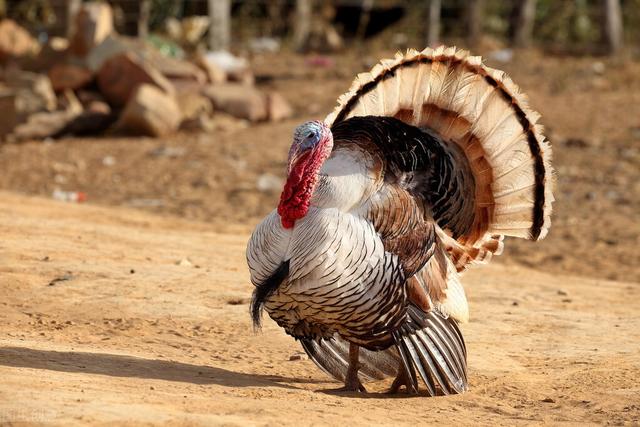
{"x": 296, "y": 155}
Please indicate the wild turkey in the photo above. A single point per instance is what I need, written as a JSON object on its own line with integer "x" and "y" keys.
{"x": 426, "y": 163}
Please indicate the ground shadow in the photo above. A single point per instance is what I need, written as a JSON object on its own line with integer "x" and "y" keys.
{"x": 116, "y": 365}
{"x": 372, "y": 395}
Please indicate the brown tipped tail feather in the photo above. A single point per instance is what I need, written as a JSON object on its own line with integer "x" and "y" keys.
{"x": 480, "y": 110}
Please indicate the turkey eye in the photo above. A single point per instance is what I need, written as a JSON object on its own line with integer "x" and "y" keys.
{"x": 310, "y": 135}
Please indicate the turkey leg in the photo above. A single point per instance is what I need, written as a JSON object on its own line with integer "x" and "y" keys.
{"x": 352, "y": 382}
{"x": 402, "y": 379}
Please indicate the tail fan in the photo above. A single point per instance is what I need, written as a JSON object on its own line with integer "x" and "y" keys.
{"x": 433, "y": 346}
{"x": 332, "y": 356}
{"x": 482, "y": 112}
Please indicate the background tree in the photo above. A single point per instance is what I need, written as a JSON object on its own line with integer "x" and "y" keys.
{"x": 612, "y": 25}
{"x": 522, "y": 19}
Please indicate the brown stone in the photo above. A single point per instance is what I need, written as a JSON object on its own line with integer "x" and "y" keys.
{"x": 69, "y": 76}
{"x": 15, "y": 41}
{"x": 241, "y": 101}
{"x": 98, "y": 107}
{"x": 150, "y": 111}
{"x": 193, "y": 104}
{"x": 9, "y": 116}
{"x": 121, "y": 75}
{"x": 215, "y": 74}
{"x": 48, "y": 123}
{"x": 51, "y": 53}
{"x": 33, "y": 91}
{"x": 278, "y": 107}
{"x": 176, "y": 69}
{"x": 111, "y": 46}
{"x": 93, "y": 23}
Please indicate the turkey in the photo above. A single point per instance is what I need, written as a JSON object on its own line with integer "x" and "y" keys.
{"x": 427, "y": 162}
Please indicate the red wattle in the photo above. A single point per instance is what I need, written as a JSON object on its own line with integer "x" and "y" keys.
{"x": 297, "y": 192}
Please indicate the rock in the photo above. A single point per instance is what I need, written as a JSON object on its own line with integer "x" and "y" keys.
{"x": 185, "y": 262}
{"x": 93, "y": 24}
{"x": 202, "y": 123}
{"x": 15, "y": 41}
{"x": 176, "y": 69}
{"x": 238, "y": 100}
{"x": 277, "y": 107}
{"x": 120, "y": 75}
{"x": 33, "y": 91}
{"x": 150, "y": 111}
{"x": 236, "y": 68}
{"x": 215, "y": 74}
{"x": 98, "y": 107}
{"x": 298, "y": 356}
{"x": 9, "y": 116}
{"x": 52, "y": 52}
{"x": 43, "y": 125}
{"x": 244, "y": 77}
{"x": 188, "y": 31}
{"x": 47, "y": 124}
{"x": 111, "y": 46}
{"x": 169, "y": 152}
{"x": 69, "y": 76}
{"x": 193, "y": 105}
{"x": 264, "y": 44}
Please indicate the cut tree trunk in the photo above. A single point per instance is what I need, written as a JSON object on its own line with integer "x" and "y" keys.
{"x": 522, "y": 19}
{"x": 220, "y": 30}
{"x": 73, "y": 6}
{"x": 612, "y": 25}
{"x": 433, "y": 29}
{"x": 475, "y": 10}
{"x": 302, "y": 25}
{"x": 143, "y": 18}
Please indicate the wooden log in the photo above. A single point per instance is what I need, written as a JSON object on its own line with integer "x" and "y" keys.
{"x": 143, "y": 18}
{"x": 433, "y": 19}
{"x": 220, "y": 21}
{"x": 121, "y": 75}
{"x": 150, "y": 111}
{"x": 474, "y": 14}
{"x": 302, "y": 24}
{"x": 612, "y": 29}
{"x": 522, "y": 20}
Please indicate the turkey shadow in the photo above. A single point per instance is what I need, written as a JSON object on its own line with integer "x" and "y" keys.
{"x": 116, "y": 365}
{"x": 339, "y": 392}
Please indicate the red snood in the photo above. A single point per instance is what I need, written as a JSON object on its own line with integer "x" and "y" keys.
{"x": 297, "y": 192}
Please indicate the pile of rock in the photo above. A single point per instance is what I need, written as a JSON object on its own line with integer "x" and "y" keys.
{"x": 100, "y": 81}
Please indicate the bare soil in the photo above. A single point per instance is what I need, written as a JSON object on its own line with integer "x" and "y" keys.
{"x": 104, "y": 321}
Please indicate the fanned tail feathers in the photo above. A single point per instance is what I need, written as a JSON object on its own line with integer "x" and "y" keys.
{"x": 482, "y": 111}
{"x": 429, "y": 346}
{"x": 332, "y": 356}
{"x": 433, "y": 346}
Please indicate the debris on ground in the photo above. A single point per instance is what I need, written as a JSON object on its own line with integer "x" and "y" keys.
{"x": 69, "y": 196}
{"x": 63, "y": 278}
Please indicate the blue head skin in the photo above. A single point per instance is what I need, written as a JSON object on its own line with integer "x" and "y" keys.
{"x": 312, "y": 136}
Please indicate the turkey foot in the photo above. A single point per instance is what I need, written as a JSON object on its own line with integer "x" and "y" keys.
{"x": 402, "y": 379}
{"x": 352, "y": 382}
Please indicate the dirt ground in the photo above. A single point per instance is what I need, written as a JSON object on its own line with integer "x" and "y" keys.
{"x": 133, "y": 308}
{"x": 104, "y": 320}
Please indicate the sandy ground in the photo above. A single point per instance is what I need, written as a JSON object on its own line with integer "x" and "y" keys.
{"x": 136, "y": 334}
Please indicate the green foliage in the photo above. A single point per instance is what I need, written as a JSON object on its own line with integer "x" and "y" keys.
{"x": 163, "y": 9}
